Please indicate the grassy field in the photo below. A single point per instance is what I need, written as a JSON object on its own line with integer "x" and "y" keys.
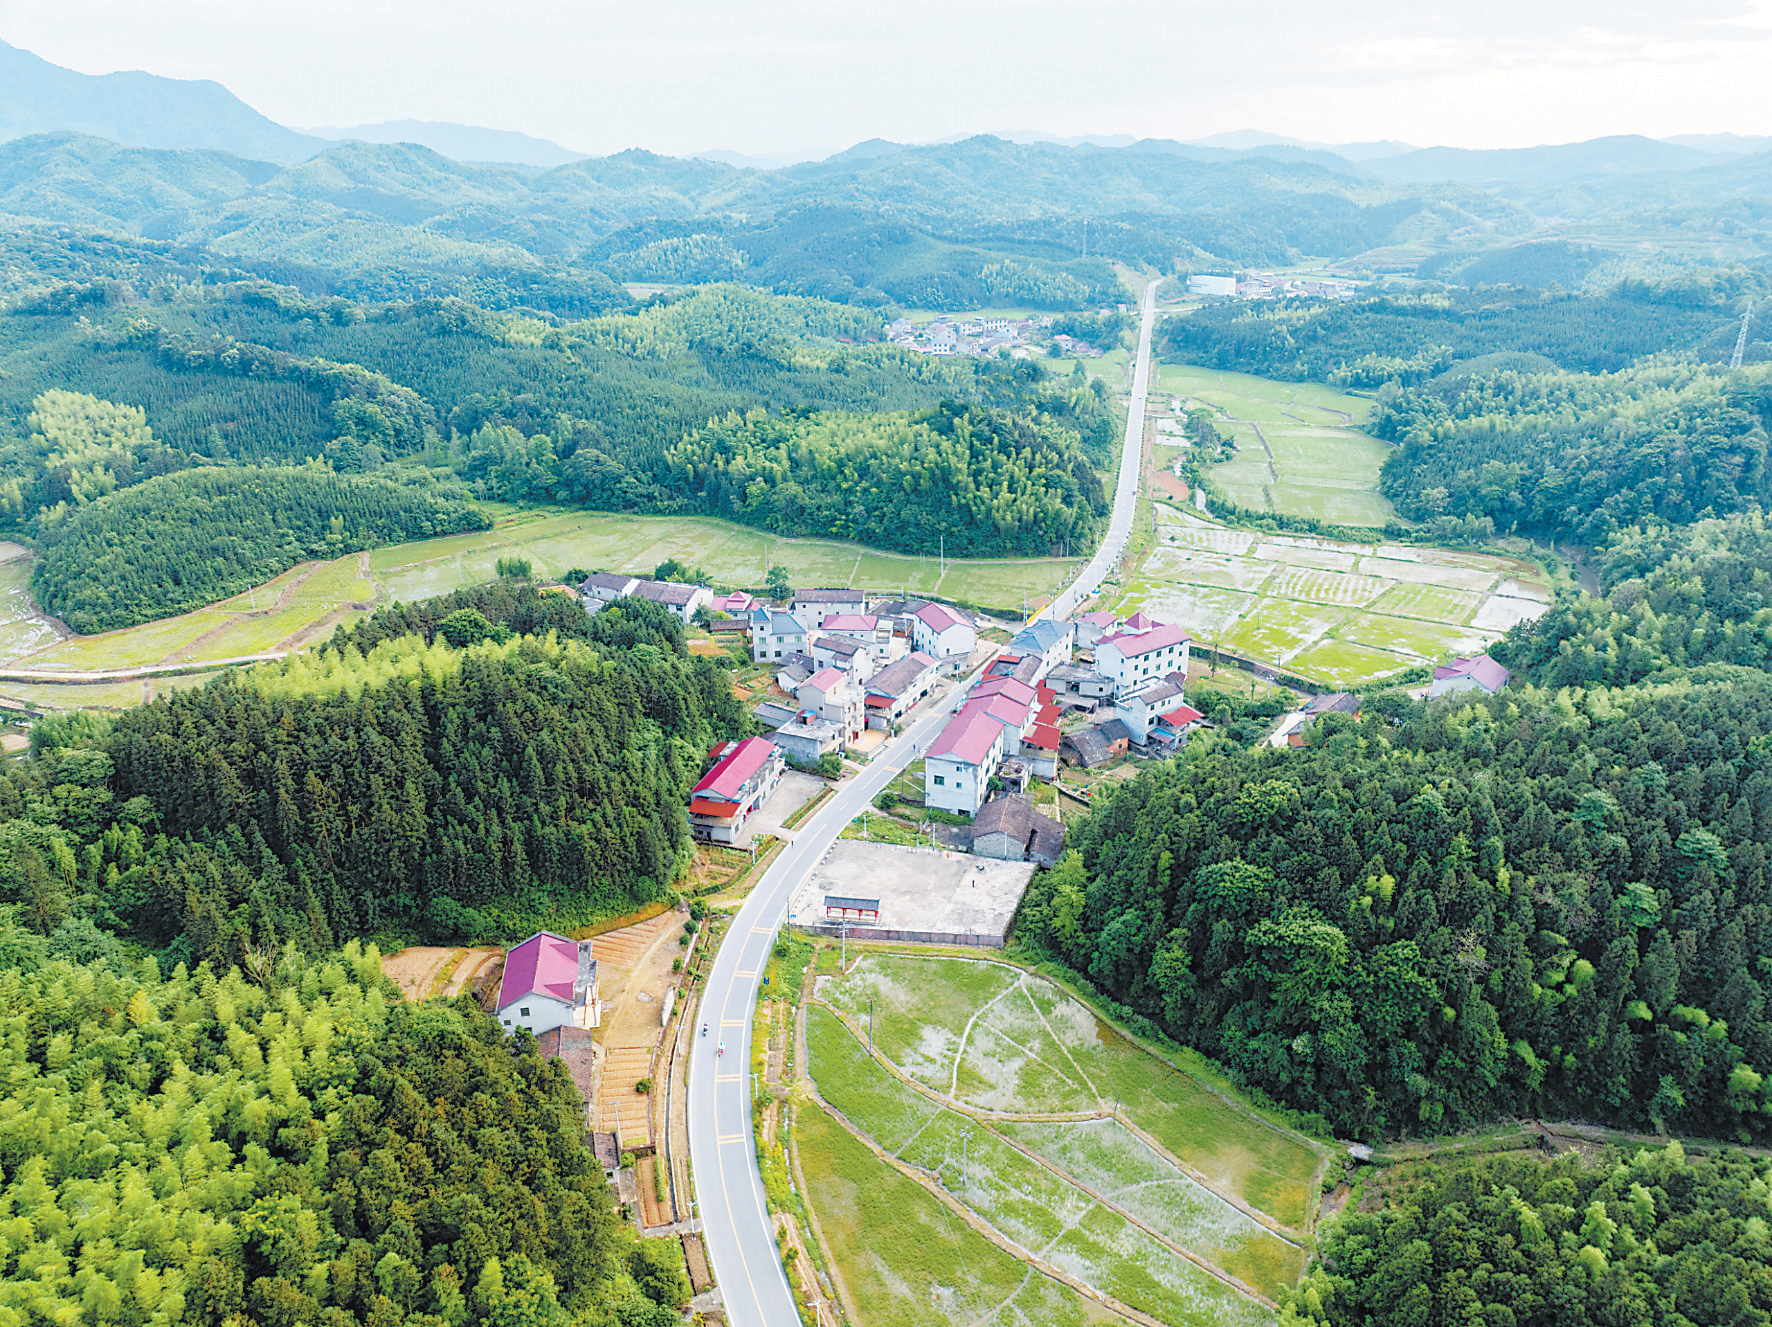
{"x": 305, "y": 604}
{"x": 1297, "y": 450}
{"x": 1332, "y": 612}
{"x": 1084, "y": 1193}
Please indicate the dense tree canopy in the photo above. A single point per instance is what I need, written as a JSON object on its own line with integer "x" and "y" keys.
{"x": 1540, "y": 902}
{"x": 303, "y": 1148}
{"x": 179, "y": 541}
{"x": 1651, "y": 1239}
{"x": 1578, "y": 455}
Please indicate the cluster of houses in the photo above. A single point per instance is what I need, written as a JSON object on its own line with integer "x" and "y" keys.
{"x": 602, "y": 588}
{"x": 1127, "y": 675}
{"x": 1265, "y": 285}
{"x": 979, "y": 336}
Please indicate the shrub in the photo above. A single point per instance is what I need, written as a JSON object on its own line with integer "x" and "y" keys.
{"x": 643, "y": 1086}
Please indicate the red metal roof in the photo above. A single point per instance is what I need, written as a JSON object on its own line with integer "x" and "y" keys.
{"x": 968, "y": 736}
{"x": 1134, "y": 644}
{"x": 728, "y": 778}
{"x": 1182, "y": 714}
{"x": 824, "y": 679}
{"x": 939, "y": 617}
{"x": 1020, "y": 692}
{"x": 702, "y": 806}
{"x": 1044, "y": 736}
{"x": 544, "y": 964}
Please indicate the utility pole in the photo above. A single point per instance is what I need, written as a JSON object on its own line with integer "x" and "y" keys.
{"x": 1741, "y": 337}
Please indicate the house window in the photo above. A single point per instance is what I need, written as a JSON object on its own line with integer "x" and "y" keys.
{"x": 940, "y": 781}
{"x": 523, "y": 1013}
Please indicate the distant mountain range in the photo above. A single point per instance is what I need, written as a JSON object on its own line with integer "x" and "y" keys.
{"x": 460, "y": 141}
{"x": 139, "y": 110}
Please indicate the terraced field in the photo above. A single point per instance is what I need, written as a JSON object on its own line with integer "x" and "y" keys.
{"x": 1332, "y": 612}
{"x": 1093, "y": 1161}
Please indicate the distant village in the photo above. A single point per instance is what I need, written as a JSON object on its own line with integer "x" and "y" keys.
{"x": 983, "y": 337}
{"x": 1265, "y": 285}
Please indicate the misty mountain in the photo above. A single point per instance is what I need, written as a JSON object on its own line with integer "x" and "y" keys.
{"x": 1622, "y": 154}
{"x": 138, "y": 110}
{"x": 464, "y": 142}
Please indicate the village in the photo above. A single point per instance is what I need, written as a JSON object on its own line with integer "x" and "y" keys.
{"x": 943, "y": 859}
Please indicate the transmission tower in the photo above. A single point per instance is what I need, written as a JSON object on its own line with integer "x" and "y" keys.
{"x": 1741, "y": 337}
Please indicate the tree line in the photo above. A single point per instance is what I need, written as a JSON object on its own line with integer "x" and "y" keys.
{"x": 179, "y": 541}
{"x": 1579, "y": 456}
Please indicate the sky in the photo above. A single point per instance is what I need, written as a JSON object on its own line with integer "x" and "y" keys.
{"x": 787, "y": 76}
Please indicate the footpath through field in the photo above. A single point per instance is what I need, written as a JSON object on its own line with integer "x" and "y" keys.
{"x": 736, "y": 1226}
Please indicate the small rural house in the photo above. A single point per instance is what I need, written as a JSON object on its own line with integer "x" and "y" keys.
{"x": 1478, "y": 674}
{"x": 549, "y": 982}
{"x": 1010, "y": 830}
{"x": 605, "y": 587}
{"x": 744, "y": 775}
{"x": 849, "y": 657}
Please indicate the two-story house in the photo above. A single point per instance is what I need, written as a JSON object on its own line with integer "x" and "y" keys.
{"x": 775, "y": 635}
{"x": 549, "y": 982}
{"x": 866, "y": 629}
{"x": 942, "y": 632}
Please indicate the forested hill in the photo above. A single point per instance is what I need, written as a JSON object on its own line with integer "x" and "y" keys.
{"x": 409, "y": 789}
{"x": 920, "y": 226}
{"x": 1579, "y": 456}
{"x": 1537, "y": 904}
{"x": 180, "y": 541}
{"x": 1407, "y": 337}
{"x": 629, "y": 411}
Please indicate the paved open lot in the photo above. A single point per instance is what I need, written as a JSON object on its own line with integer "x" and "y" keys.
{"x": 920, "y": 889}
{"x": 795, "y": 791}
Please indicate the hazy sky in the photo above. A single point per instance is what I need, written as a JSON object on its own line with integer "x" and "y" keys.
{"x": 770, "y": 76}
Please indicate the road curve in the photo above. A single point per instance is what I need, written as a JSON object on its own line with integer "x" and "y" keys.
{"x": 736, "y": 1228}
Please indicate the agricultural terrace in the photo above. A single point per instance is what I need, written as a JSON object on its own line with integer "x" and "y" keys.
{"x": 1297, "y": 450}
{"x": 1073, "y": 1149}
{"x": 1331, "y": 612}
{"x": 303, "y": 605}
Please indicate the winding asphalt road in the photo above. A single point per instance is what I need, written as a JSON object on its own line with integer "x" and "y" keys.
{"x": 736, "y": 1228}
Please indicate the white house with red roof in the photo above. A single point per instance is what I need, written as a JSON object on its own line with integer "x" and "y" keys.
{"x": 941, "y": 631}
{"x": 1141, "y": 654}
{"x": 991, "y": 725}
{"x": 549, "y": 982}
{"x": 744, "y": 775}
{"x": 1476, "y": 674}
